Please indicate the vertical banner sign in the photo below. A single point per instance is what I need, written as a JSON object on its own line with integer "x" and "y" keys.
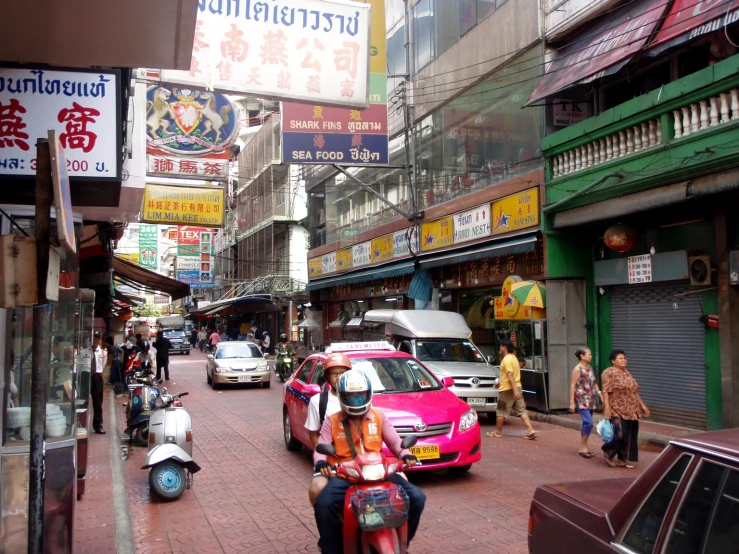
{"x": 319, "y": 135}
{"x": 283, "y": 49}
{"x": 148, "y": 246}
{"x": 195, "y": 256}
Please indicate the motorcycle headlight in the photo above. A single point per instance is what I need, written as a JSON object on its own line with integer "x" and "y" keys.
{"x": 375, "y": 472}
{"x": 351, "y": 472}
{"x": 467, "y": 421}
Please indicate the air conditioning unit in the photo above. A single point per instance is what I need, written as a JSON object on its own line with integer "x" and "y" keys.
{"x": 699, "y": 270}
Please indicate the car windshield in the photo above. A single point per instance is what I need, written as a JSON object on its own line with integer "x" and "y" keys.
{"x": 448, "y": 351}
{"x": 391, "y": 375}
{"x": 173, "y": 333}
{"x": 237, "y": 350}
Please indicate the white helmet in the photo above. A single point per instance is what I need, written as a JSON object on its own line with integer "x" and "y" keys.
{"x": 355, "y": 393}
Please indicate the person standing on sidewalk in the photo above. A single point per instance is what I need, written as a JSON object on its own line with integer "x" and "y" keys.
{"x": 623, "y": 406}
{"x": 584, "y": 393}
{"x": 162, "y": 345}
{"x": 99, "y": 358}
{"x": 214, "y": 339}
{"x": 510, "y": 392}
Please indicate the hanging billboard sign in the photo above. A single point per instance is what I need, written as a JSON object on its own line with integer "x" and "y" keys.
{"x": 181, "y": 205}
{"x": 195, "y": 256}
{"x": 316, "y": 134}
{"x": 190, "y": 168}
{"x": 286, "y": 49}
{"x": 149, "y": 246}
{"x": 81, "y": 107}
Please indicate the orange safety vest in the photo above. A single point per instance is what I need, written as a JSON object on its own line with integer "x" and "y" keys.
{"x": 371, "y": 436}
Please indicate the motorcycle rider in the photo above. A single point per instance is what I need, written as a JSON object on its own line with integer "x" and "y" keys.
{"x": 202, "y": 338}
{"x": 282, "y": 347}
{"x": 323, "y": 405}
{"x": 369, "y": 429}
{"x": 144, "y": 358}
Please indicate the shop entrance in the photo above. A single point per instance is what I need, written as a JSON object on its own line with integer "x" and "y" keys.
{"x": 665, "y": 350}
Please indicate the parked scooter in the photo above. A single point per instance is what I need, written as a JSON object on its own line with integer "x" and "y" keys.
{"x": 375, "y": 512}
{"x": 170, "y": 448}
{"x": 284, "y": 364}
{"x": 142, "y": 396}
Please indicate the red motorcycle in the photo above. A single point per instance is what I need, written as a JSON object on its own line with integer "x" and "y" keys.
{"x": 375, "y": 514}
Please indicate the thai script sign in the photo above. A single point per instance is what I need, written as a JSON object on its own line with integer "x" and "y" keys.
{"x": 82, "y": 107}
{"x": 402, "y": 239}
{"x": 315, "y": 267}
{"x": 381, "y": 249}
{"x": 195, "y": 267}
{"x": 284, "y": 49}
{"x": 344, "y": 259}
{"x": 437, "y": 234}
{"x": 215, "y": 170}
{"x": 517, "y": 211}
{"x": 148, "y": 246}
{"x": 361, "y": 254}
{"x": 328, "y": 263}
{"x": 176, "y": 204}
{"x": 314, "y": 134}
{"x": 472, "y": 224}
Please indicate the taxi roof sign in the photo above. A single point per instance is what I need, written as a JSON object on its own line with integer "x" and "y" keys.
{"x": 359, "y": 346}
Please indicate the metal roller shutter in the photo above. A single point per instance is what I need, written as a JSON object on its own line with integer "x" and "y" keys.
{"x": 664, "y": 347}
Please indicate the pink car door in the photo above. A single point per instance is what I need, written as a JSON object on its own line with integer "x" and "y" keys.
{"x": 298, "y": 397}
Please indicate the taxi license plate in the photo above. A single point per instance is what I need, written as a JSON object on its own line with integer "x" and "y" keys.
{"x": 477, "y": 401}
{"x": 426, "y": 452}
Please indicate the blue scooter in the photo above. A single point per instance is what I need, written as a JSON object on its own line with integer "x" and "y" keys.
{"x": 143, "y": 394}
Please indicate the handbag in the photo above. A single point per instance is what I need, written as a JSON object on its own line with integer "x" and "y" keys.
{"x": 605, "y": 430}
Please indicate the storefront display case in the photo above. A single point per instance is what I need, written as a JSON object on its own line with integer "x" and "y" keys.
{"x": 83, "y": 362}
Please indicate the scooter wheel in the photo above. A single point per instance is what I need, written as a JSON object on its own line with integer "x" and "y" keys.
{"x": 167, "y": 480}
{"x": 141, "y": 434}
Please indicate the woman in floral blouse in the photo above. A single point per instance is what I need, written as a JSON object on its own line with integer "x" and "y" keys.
{"x": 583, "y": 396}
{"x": 624, "y": 407}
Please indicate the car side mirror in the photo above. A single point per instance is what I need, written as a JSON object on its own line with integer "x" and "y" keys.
{"x": 447, "y": 381}
{"x": 326, "y": 449}
{"x": 312, "y": 390}
{"x": 408, "y": 441}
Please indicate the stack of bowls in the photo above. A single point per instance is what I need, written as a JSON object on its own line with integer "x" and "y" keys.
{"x": 56, "y": 423}
{"x": 19, "y": 423}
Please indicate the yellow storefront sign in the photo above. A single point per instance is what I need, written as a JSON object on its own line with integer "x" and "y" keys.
{"x": 134, "y": 257}
{"x": 382, "y": 249}
{"x": 177, "y": 205}
{"x": 517, "y": 211}
{"x": 315, "y": 267}
{"x": 344, "y": 259}
{"x": 437, "y": 234}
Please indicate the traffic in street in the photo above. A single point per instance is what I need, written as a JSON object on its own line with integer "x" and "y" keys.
{"x": 251, "y": 494}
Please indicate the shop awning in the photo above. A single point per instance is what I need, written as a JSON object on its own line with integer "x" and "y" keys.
{"x": 604, "y": 48}
{"x": 522, "y": 243}
{"x": 390, "y": 270}
{"x": 689, "y": 19}
{"x": 129, "y": 271}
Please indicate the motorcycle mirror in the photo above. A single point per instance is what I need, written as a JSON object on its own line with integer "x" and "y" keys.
{"x": 164, "y": 390}
{"x": 409, "y": 441}
{"x": 326, "y": 449}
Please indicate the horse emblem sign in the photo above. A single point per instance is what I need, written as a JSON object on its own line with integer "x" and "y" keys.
{"x": 189, "y": 122}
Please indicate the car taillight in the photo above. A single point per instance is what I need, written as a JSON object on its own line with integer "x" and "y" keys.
{"x": 188, "y": 435}
{"x": 151, "y": 438}
{"x": 531, "y": 525}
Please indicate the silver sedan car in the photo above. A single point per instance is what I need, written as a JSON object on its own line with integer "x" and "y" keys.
{"x": 237, "y": 362}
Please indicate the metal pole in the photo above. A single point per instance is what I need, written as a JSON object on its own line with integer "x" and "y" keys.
{"x": 290, "y": 320}
{"x": 410, "y": 143}
{"x": 40, "y": 352}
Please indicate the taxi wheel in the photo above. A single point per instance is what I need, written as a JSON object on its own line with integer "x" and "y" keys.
{"x": 291, "y": 443}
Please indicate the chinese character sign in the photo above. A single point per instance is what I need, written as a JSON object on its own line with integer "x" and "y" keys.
{"x": 284, "y": 49}
{"x": 640, "y": 269}
{"x": 180, "y": 205}
{"x": 517, "y": 211}
{"x": 80, "y": 107}
{"x": 148, "y": 246}
{"x": 472, "y": 224}
{"x": 193, "y": 168}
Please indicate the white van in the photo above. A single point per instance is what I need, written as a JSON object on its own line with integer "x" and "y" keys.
{"x": 441, "y": 340}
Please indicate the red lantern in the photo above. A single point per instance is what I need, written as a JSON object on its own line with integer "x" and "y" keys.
{"x": 620, "y": 238}
{"x": 125, "y": 315}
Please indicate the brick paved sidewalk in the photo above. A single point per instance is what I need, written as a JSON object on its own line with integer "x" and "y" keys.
{"x": 94, "y": 523}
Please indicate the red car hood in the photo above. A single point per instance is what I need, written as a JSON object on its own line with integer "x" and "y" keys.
{"x": 441, "y": 406}
{"x": 599, "y": 495}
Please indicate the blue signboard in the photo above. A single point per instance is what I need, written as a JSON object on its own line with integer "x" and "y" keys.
{"x": 337, "y": 148}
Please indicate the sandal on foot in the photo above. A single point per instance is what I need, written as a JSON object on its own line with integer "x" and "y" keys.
{"x": 586, "y": 454}
{"x": 494, "y": 435}
{"x": 609, "y": 461}
{"x": 531, "y": 436}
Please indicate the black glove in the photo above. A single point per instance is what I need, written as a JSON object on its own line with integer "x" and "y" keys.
{"x": 320, "y": 464}
{"x": 409, "y": 458}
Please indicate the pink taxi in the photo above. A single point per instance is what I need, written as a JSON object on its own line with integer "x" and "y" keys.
{"x": 414, "y": 400}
